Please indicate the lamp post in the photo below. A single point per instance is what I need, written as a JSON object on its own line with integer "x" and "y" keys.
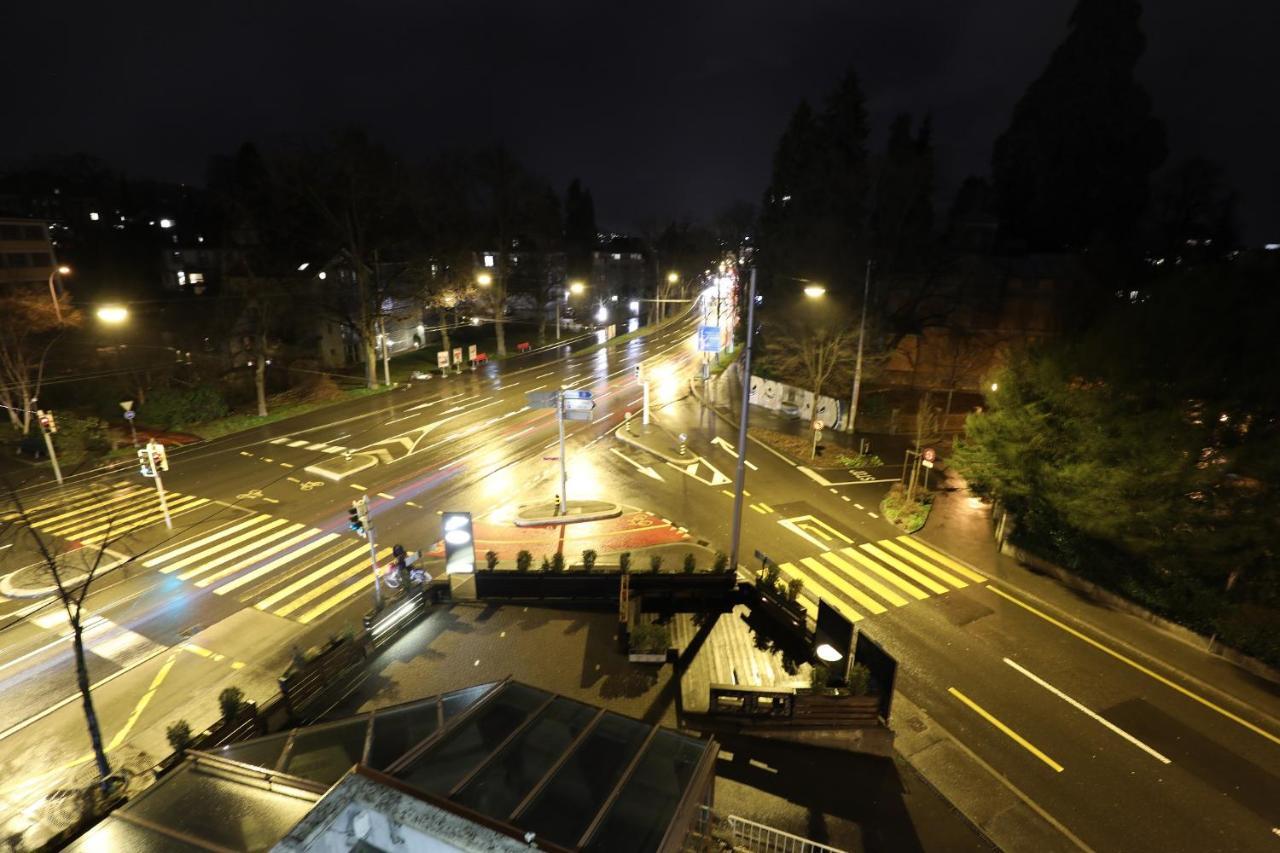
{"x": 740, "y": 477}
{"x": 53, "y": 293}
{"x": 857, "y": 364}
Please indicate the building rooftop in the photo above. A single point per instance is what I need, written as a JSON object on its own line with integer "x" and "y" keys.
{"x": 491, "y": 767}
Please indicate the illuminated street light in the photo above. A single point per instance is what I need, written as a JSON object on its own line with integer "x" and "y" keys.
{"x": 484, "y": 279}
{"x": 576, "y": 287}
{"x": 995, "y": 386}
{"x": 57, "y": 307}
{"x": 828, "y": 653}
{"x": 815, "y": 291}
{"x": 673, "y": 277}
{"x": 64, "y": 270}
{"x": 113, "y": 314}
{"x": 602, "y": 314}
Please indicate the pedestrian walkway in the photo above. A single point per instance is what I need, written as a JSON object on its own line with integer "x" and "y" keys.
{"x": 315, "y": 446}
{"x": 876, "y": 577}
{"x": 97, "y": 515}
{"x": 278, "y": 566}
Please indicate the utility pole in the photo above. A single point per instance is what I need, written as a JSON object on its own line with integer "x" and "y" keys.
{"x": 154, "y": 460}
{"x": 857, "y": 365}
{"x": 564, "y": 471}
{"x": 740, "y": 479}
{"x": 361, "y": 523}
{"x": 48, "y": 426}
{"x": 386, "y": 354}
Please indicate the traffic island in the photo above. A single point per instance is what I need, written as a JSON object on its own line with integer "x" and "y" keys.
{"x": 550, "y": 512}
{"x": 655, "y": 439}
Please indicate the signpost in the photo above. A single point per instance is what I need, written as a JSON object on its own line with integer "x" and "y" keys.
{"x": 709, "y": 339}
{"x": 471, "y": 355}
{"x": 129, "y": 415}
{"x": 817, "y": 434}
{"x": 569, "y": 405}
{"x": 442, "y": 361}
{"x": 457, "y": 358}
{"x": 154, "y": 460}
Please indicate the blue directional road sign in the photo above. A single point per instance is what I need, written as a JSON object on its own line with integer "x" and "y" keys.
{"x": 576, "y": 395}
{"x": 708, "y": 339}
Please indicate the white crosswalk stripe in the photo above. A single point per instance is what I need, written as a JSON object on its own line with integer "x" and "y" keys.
{"x": 97, "y": 515}
{"x": 872, "y": 577}
{"x": 320, "y": 446}
{"x": 278, "y": 566}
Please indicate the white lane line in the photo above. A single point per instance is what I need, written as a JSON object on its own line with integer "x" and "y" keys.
{"x": 1091, "y": 714}
{"x": 544, "y": 375}
{"x": 873, "y": 515}
{"x": 859, "y": 506}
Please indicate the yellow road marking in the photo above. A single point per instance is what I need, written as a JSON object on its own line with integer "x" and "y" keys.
{"x": 866, "y": 580}
{"x": 245, "y": 453}
{"x": 264, "y": 523}
{"x": 343, "y": 576}
{"x": 92, "y": 502}
{"x": 841, "y": 584}
{"x": 262, "y": 570}
{"x": 757, "y": 508}
{"x": 147, "y": 503}
{"x": 359, "y": 553}
{"x": 1017, "y": 738}
{"x": 909, "y": 555}
{"x": 766, "y": 507}
{"x": 726, "y": 493}
{"x": 285, "y": 465}
{"x": 924, "y": 580}
{"x": 1139, "y": 667}
{"x": 819, "y": 591}
{"x": 335, "y": 599}
{"x": 142, "y": 704}
{"x": 358, "y": 487}
{"x": 954, "y": 565}
{"x": 212, "y": 537}
{"x": 891, "y": 560}
{"x": 387, "y": 496}
{"x": 176, "y": 508}
{"x": 412, "y": 504}
{"x": 258, "y": 555}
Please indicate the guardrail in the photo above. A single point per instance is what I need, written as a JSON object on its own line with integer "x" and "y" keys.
{"x": 748, "y": 836}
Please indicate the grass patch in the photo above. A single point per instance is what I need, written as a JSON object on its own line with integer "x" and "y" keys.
{"x": 793, "y": 445}
{"x": 861, "y": 460}
{"x": 246, "y": 421}
{"x": 910, "y": 515}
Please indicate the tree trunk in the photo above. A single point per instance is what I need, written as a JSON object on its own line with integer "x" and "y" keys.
{"x": 90, "y": 715}
{"x": 370, "y": 362}
{"x": 260, "y": 375}
{"x": 499, "y": 330}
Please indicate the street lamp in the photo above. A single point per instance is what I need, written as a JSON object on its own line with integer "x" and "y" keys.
{"x": 814, "y": 291}
{"x": 113, "y": 314}
{"x": 673, "y": 277}
{"x": 62, "y": 269}
{"x": 577, "y": 288}
{"x": 484, "y": 279}
{"x": 857, "y": 364}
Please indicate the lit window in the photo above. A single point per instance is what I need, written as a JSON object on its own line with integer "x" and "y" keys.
{"x": 303, "y": 266}
{"x": 617, "y": 256}
{"x": 488, "y": 260}
{"x": 196, "y": 278}
{"x": 166, "y": 223}
{"x": 94, "y": 216}
{"x": 323, "y": 275}
{"x": 182, "y": 278}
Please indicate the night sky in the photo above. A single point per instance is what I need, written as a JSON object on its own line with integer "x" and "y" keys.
{"x": 663, "y": 108}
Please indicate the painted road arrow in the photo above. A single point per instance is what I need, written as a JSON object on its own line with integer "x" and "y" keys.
{"x": 643, "y": 469}
{"x": 728, "y": 448}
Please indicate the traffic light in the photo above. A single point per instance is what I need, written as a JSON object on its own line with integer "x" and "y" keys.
{"x": 459, "y": 544}
{"x": 47, "y": 423}
{"x": 158, "y": 455}
{"x": 356, "y": 518}
{"x": 145, "y": 460}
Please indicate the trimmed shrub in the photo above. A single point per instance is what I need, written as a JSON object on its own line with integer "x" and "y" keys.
{"x": 721, "y": 562}
{"x": 690, "y": 564}
{"x": 650, "y": 638}
{"x": 491, "y": 560}
{"x": 179, "y": 735}
{"x": 523, "y": 560}
{"x": 624, "y": 562}
{"x": 557, "y": 562}
{"x": 859, "y": 680}
{"x": 546, "y": 564}
{"x": 793, "y": 589}
{"x": 174, "y": 407}
{"x": 655, "y": 563}
{"x": 589, "y": 559}
{"x": 230, "y": 701}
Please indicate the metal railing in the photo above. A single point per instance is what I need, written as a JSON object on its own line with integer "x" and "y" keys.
{"x": 712, "y": 831}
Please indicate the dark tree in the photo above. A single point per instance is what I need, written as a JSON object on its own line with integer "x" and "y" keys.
{"x": 1073, "y": 168}
{"x": 580, "y": 233}
{"x": 902, "y": 218}
{"x": 1193, "y": 213}
{"x": 813, "y": 220}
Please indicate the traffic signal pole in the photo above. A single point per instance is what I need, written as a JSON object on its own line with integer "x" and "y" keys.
{"x": 740, "y": 478}
{"x": 53, "y": 456}
{"x": 362, "y": 511}
{"x": 154, "y": 464}
{"x": 564, "y": 471}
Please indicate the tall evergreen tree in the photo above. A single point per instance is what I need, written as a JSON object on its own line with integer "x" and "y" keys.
{"x": 813, "y": 219}
{"x": 1073, "y": 168}
{"x": 580, "y": 231}
{"x": 902, "y": 218}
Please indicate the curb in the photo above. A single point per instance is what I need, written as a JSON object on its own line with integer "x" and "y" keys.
{"x": 549, "y": 520}
{"x": 1118, "y": 602}
{"x": 1001, "y": 813}
{"x": 618, "y": 433}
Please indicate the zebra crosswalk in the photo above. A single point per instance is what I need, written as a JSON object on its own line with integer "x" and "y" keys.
{"x": 317, "y": 446}
{"x": 94, "y": 516}
{"x": 281, "y": 567}
{"x": 876, "y": 577}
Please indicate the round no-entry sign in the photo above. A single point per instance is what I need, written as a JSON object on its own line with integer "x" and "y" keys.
{"x": 929, "y": 454}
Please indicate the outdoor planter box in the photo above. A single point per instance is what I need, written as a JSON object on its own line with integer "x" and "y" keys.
{"x": 647, "y": 657}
